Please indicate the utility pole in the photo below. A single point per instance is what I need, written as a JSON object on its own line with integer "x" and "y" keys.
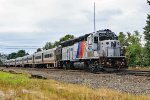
{"x": 94, "y": 20}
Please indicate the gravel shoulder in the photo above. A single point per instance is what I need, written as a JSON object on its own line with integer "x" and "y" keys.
{"x": 123, "y": 83}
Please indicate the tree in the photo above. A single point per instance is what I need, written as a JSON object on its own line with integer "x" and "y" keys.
{"x": 147, "y": 44}
{"x": 12, "y": 55}
{"x": 56, "y": 44}
{"x": 147, "y": 29}
{"x": 66, "y": 37}
{"x": 1, "y": 63}
{"x": 147, "y": 38}
{"x": 39, "y": 49}
{"x": 20, "y": 53}
{"x": 122, "y": 39}
{"x": 133, "y": 47}
{"x": 48, "y": 45}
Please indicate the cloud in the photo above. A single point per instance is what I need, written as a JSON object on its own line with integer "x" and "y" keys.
{"x": 34, "y": 22}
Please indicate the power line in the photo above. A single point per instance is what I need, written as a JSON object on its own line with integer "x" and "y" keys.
{"x": 18, "y": 48}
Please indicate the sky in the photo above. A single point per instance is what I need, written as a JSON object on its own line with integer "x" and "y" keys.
{"x": 30, "y": 24}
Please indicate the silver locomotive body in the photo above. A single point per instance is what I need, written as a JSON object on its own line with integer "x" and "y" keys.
{"x": 100, "y": 50}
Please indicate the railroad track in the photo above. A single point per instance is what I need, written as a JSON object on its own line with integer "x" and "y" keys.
{"x": 135, "y": 72}
{"x": 126, "y": 72}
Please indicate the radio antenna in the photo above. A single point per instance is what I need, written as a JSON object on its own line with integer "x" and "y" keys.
{"x": 94, "y": 20}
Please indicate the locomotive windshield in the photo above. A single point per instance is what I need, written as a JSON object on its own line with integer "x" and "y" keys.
{"x": 95, "y": 39}
{"x": 106, "y": 35}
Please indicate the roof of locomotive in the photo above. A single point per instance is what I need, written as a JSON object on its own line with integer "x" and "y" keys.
{"x": 103, "y": 34}
{"x": 72, "y": 41}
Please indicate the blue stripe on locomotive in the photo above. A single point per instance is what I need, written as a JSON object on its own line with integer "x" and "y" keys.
{"x": 78, "y": 50}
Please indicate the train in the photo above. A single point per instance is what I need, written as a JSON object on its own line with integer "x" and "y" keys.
{"x": 95, "y": 51}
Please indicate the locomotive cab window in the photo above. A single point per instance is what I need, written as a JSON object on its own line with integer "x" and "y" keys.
{"x": 89, "y": 40}
{"x": 95, "y": 39}
{"x": 118, "y": 43}
{"x": 107, "y": 43}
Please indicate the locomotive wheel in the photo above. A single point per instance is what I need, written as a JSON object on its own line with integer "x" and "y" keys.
{"x": 93, "y": 68}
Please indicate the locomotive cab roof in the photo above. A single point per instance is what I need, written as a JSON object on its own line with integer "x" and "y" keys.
{"x": 102, "y": 34}
{"x": 106, "y": 35}
{"x": 72, "y": 41}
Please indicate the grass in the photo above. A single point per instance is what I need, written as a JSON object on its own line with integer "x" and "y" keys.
{"x": 139, "y": 68}
{"x": 20, "y": 87}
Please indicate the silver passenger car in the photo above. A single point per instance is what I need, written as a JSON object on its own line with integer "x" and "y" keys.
{"x": 49, "y": 57}
{"x": 19, "y": 62}
{"x": 38, "y": 58}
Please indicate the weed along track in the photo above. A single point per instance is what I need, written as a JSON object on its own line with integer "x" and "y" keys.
{"x": 124, "y": 82}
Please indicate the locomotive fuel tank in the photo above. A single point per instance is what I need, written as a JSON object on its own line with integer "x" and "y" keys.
{"x": 79, "y": 65}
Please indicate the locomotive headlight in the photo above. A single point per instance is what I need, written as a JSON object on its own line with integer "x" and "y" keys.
{"x": 107, "y": 63}
{"x": 123, "y": 63}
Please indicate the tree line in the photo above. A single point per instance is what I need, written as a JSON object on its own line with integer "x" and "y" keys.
{"x": 47, "y": 46}
{"x": 50, "y": 45}
{"x": 137, "y": 54}
{"x": 15, "y": 55}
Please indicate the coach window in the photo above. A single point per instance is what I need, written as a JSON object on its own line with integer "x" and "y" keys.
{"x": 38, "y": 57}
{"x": 30, "y": 58}
{"x": 47, "y": 55}
{"x": 51, "y": 55}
